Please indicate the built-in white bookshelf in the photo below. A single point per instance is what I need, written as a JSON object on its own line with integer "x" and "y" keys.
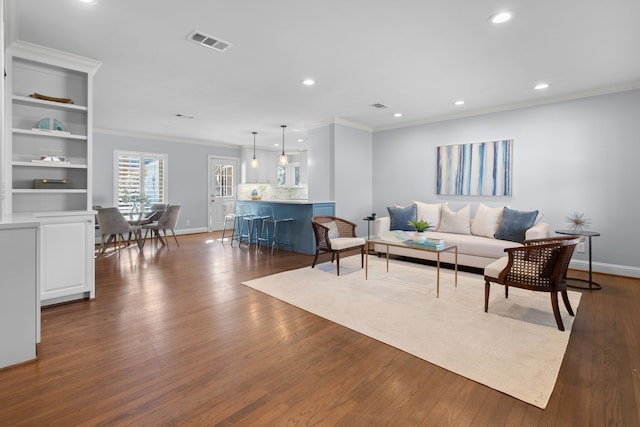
{"x": 47, "y": 163}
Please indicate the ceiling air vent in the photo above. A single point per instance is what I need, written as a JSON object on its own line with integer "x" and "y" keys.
{"x": 379, "y": 106}
{"x": 209, "y": 41}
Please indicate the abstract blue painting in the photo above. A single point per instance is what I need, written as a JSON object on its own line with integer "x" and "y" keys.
{"x": 476, "y": 169}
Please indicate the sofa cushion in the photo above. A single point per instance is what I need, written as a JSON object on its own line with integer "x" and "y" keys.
{"x": 485, "y": 222}
{"x": 476, "y": 245}
{"x": 514, "y": 224}
{"x": 430, "y": 212}
{"x": 455, "y": 222}
{"x": 400, "y": 217}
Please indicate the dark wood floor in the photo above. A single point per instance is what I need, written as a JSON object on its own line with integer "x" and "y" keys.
{"x": 173, "y": 338}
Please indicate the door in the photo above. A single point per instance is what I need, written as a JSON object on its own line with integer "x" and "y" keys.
{"x": 223, "y": 179}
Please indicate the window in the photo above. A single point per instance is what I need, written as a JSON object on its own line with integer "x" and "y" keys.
{"x": 223, "y": 186}
{"x": 289, "y": 175}
{"x": 140, "y": 180}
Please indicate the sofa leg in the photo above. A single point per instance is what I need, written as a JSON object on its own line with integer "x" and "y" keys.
{"x": 487, "y": 288}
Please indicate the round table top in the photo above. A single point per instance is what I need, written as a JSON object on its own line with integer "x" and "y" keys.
{"x": 578, "y": 232}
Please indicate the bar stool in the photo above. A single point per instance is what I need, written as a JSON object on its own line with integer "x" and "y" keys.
{"x": 275, "y": 239}
{"x": 238, "y": 216}
{"x": 229, "y": 217}
{"x": 253, "y": 223}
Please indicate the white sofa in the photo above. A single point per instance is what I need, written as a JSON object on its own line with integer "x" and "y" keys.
{"x": 476, "y": 245}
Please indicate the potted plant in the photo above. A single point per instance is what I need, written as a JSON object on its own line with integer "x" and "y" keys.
{"x": 421, "y": 227}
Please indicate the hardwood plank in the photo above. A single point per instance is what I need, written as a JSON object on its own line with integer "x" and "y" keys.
{"x": 174, "y": 338}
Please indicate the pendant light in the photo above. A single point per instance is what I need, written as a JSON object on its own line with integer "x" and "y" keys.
{"x": 254, "y": 161}
{"x": 282, "y": 158}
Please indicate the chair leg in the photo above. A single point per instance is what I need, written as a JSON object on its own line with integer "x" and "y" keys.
{"x": 567, "y": 304}
{"x": 506, "y": 291}
{"x": 174, "y": 237}
{"x": 487, "y": 289}
{"x": 362, "y": 257}
{"x": 315, "y": 259}
{"x": 556, "y": 310}
{"x": 338, "y": 262}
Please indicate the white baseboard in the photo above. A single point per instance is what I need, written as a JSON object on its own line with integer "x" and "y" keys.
{"x": 178, "y": 233}
{"x": 601, "y": 267}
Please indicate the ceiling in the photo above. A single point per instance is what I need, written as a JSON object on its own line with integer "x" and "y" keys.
{"x": 416, "y": 56}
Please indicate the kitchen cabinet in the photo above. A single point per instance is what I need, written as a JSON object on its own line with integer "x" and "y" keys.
{"x": 266, "y": 172}
{"x": 66, "y": 257}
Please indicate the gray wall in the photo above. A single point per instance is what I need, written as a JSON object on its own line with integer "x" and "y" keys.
{"x": 340, "y": 168}
{"x": 187, "y": 173}
{"x": 579, "y": 155}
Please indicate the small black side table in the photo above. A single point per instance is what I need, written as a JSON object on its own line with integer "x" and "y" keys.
{"x": 369, "y": 219}
{"x": 592, "y": 285}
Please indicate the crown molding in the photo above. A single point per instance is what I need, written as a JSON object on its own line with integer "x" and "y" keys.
{"x": 115, "y": 132}
{"x": 517, "y": 105}
{"x": 53, "y": 56}
{"x": 342, "y": 122}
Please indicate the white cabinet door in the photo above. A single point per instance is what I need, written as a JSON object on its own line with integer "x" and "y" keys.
{"x": 66, "y": 258}
{"x": 271, "y": 167}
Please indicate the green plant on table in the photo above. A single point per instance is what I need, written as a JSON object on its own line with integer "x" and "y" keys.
{"x": 420, "y": 224}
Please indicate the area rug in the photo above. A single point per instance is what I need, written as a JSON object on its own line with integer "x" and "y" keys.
{"x": 515, "y": 348}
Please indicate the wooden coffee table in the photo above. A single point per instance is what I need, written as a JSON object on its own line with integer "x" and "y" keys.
{"x": 418, "y": 247}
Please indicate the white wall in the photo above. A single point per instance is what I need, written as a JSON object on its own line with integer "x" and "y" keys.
{"x": 579, "y": 155}
{"x": 187, "y": 172}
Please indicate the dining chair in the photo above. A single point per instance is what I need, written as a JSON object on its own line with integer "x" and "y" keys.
{"x": 112, "y": 225}
{"x": 167, "y": 221}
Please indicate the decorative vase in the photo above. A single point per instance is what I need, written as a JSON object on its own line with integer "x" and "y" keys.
{"x": 420, "y": 236}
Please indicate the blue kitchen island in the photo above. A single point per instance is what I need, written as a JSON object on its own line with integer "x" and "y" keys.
{"x": 301, "y": 211}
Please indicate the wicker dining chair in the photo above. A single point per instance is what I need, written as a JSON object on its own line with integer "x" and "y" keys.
{"x": 540, "y": 265}
{"x": 335, "y": 235}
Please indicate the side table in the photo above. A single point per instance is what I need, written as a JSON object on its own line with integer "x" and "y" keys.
{"x": 589, "y": 234}
{"x": 369, "y": 219}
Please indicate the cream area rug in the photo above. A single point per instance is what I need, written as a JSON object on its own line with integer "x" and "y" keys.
{"x": 515, "y": 348}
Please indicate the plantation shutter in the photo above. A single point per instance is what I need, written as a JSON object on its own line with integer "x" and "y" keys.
{"x": 140, "y": 176}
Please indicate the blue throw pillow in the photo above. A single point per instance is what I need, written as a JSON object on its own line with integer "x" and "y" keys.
{"x": 400, "y": 217}
{"x": 514, "y": 225}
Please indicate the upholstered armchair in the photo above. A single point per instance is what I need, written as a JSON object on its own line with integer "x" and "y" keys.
{"x": 540, "y": 265}
{"x": 335, "y": 235}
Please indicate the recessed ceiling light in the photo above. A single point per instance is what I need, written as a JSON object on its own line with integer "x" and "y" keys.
{"x": 301, "y": 140}
{"x": 541, "y": 86}
{"x": 397, "y": 115}
{"x": 461, "y": 102}
{"x": 500, "y": 17}
{"x": 308, "y": 82}
{"x": 89, "y": 1}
